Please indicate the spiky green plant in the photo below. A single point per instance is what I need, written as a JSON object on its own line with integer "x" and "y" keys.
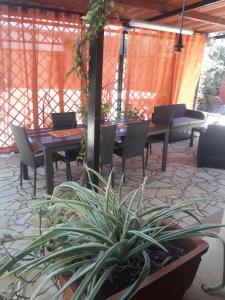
{"x": 104, "y": 234}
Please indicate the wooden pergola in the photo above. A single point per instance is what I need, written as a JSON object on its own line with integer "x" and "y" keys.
{"x": 203, "y": 16}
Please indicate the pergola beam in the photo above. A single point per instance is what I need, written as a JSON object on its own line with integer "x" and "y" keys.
{"x": 199, "y": 4}
{"x": 217, "y": 37}
{"x": 146, "y": 4}
{"x": 25, "y": 5}
{"x": 204, "y": 18}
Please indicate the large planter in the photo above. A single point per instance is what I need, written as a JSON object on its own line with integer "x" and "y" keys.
{"x": 171, "y": 281}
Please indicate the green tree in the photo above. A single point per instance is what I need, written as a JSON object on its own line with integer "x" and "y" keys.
{"x": 214, "y": 69}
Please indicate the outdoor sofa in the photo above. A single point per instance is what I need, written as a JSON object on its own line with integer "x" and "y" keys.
{"x": 182, "y": 121}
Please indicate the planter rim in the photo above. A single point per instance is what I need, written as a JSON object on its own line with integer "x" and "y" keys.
{"x": 200, "y": 247}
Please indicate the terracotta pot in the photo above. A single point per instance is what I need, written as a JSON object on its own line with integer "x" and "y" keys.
{"x": 171, "y": 281}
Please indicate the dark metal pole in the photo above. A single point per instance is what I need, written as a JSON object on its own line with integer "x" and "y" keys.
{"x": 94, "y": 103}
{"x": 120, "y": 74}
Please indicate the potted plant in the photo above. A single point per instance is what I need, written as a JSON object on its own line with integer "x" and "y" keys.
{"x": 105, "y": 110}
{"x": 101, "y": 244}
{"x": 130, "y": 112}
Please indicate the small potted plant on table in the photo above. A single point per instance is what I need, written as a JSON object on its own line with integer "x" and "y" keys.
{"x": 131, "y": 113}
{"x": 83, "y": 111}
{"x": 101, "y": 245}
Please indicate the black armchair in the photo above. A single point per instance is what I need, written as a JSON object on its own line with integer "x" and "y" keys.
{"x": 211, "y": 147}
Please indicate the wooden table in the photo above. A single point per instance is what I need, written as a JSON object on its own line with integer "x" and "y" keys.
{"x": 165, "y": 131}
{"x": 50, "y": 144}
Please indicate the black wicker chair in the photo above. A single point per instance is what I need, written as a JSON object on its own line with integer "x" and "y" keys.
{"x": 66, "y": 120}
{"x": 211, "y": 147}
{"x": 27, "y": 156}
{"x": 133, "y": 144}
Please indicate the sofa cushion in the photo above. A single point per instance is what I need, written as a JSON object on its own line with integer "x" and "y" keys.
{"x": 194, "y": 121}
{"x": 182, "y": 121}
{"x": 179, "y": 110}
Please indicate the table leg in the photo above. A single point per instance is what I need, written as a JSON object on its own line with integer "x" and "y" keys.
{"x": 165, "y": 150}
{"x": 49, "y": 173}
{"x": 192, "y": 137}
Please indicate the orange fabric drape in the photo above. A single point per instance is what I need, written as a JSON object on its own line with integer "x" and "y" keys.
{"x": 187, "y": 69}
{"x": 36, "y": 52}
{"x": 35, "y": 55}
{"x": 111, "y": 48}
{"x": 155, "y": 74}
{"x": 112, "y": 40}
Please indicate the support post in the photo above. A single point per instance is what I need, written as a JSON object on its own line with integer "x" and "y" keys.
{"x": 94, "y": 102}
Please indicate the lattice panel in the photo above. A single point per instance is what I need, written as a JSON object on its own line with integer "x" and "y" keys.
{"x": 112, "y": 41}
{"x": 17, "y": 111}
{"x": 112, "y": 96}
{"x": 15, "y": 99}
{"x": 142, "y": 101}
{"x": 72, "y": 100}
{"x": 48, "y": 102}
{"x": 34, "y": 53}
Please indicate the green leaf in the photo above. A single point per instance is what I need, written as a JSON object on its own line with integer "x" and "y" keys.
{"x": 98, "y": 285}
{"x": 100, "y": 263}
{"x": 129, "y": 293}
{"x": 148, "y": 238}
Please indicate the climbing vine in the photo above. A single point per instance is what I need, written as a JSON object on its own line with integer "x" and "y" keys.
{"x": 94, "y": 22}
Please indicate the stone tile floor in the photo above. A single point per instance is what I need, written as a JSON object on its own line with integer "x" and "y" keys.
{"x": 182, "y": 180}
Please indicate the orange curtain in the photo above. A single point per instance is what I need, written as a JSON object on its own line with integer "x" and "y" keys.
{"x": 154, "y": 73}
{"x": 112, "y": 40}
{"x": 35, "y": 55}
{"x": 187, "y": 69}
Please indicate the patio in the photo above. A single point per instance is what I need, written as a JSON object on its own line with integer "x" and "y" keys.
{"x": 182, "y": 180}
{"x": 150, "y": 55}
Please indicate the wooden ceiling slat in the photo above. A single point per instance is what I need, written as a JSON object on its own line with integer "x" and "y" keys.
{"x": 213, "y": 8}
{"x": 188, "y": 7}
{"x": 145, "y": 4}
{"x": 80, "y": 7}
{"x": 212, "y": 19}
{"x": 205, "y": 18}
